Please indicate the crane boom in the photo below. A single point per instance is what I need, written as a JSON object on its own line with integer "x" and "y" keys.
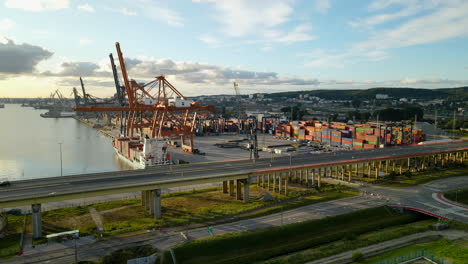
{"x": 85, "y": 97}
{"x": 116, "y": 80}
{"x": 128, "y": 88}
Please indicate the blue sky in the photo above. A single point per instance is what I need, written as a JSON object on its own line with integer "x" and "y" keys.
{"x": 202, "y": 46}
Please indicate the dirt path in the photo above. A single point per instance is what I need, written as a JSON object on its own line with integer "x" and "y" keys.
{"x": 97, "y": 218}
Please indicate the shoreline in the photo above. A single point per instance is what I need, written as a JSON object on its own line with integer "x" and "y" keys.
{"x": 91, "y": 125}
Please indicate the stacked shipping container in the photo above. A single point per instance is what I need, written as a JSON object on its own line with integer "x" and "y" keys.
{"x": 361, "y": 136}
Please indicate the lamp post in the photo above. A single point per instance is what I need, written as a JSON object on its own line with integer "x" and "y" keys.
{"x": 61, "y": 167}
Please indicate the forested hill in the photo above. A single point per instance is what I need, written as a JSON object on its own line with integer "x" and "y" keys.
{"x": 460, "y": 93}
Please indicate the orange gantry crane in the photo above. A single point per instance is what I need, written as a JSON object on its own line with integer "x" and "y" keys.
{"x": 156, "y": 108}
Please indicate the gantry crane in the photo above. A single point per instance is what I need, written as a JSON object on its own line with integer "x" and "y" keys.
{"x": 164, "y": 113}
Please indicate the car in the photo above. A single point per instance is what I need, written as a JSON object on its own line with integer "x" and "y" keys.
{"x": 5, "y": 183}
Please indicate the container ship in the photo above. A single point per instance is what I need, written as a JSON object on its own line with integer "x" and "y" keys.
{"x": 142, "y": 153}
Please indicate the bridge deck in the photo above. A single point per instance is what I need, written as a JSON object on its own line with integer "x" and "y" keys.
{"x": 90, "y": 185}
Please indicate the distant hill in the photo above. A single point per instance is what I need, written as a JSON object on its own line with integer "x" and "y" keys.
{"x": 460, "y": 93}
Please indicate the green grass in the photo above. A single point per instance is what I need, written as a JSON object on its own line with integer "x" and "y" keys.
{"x": 459, "y": 195}
{"x": 184, "y": 209}
{"x": 65, "y": 219}
{"x": 318, "y": 198}
{"x": 9, "y": 244}
{"x": 188, "y": 208}
{"x": 458, "y": 225}
{"x": 455, "y": 251}
{"x": 426, "y": 176}
{"x": 115, "y": 204}
{"x": 351, "y": 242}
{"x": 250, "y": 246}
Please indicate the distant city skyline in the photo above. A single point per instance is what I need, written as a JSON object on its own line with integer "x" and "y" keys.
{"x": 202, "y": 46}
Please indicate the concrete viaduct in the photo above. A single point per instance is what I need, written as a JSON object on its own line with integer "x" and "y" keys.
{"x": 272, "y": 174}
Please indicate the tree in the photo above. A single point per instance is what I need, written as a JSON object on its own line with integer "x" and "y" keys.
{"x": 297, "y": 112}
{"x": 357, "y": 256}
{"x": 356, "y": 103}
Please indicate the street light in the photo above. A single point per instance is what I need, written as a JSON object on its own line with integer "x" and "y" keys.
{"x": 61, "y": 167}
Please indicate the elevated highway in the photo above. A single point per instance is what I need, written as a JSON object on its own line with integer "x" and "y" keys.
{"x": 274, "y": 174}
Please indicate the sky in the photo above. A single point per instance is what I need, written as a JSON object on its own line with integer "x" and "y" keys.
{"x": 203, "y": 46}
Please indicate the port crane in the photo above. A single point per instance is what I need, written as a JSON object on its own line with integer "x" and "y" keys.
{"x": 156, "y": 108}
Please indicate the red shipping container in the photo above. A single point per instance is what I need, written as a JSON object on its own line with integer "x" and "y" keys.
{"x": 336, "y": 139}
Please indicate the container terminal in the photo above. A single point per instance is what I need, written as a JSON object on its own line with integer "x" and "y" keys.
{"x": 150, "y": 121}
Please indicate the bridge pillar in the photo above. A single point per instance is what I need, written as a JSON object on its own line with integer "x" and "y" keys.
{"x": 150, "y": 197}
{"x": 319, "y": 179}
{"x": 156, "y": 203}
{"x": 279, "y": 181}
{"x": 239, "y": 190}
{"x": 143, "y": 201}
{"x": 268, "y": 181}
{"x": 36, "y": 220}
{"x": 225, "y": 187}
{"x": 349, "y": 169}
{"x": 401, "y": 167}
{"x": 246, "y": 191}
{"x": 231, "y": 188}
{"x": 286, "y": 186}
{"x": 273, "y": 178}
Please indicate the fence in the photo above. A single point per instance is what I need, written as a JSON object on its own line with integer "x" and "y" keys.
{"x": 413, "y": 256}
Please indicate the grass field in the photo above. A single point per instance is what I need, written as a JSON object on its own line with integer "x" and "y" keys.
{"x": 426, "y": 176}
{"x": 459, "y": 195}
{"x": 9, "y": 244}
{"x": 350, "y": 242}
{"x": 250, "y": 246}
{"x": 455, "y": 251}
{"x": 184, "y": 208}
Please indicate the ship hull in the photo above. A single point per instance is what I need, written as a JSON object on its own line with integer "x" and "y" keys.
{"x": 133, "y": 163}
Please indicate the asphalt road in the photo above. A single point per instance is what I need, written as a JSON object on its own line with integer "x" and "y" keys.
{"x": 371, "y": 196}
{"x": 88, "y": 183}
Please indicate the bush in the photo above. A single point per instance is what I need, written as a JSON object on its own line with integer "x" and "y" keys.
{"x": 408, "y": 174}
{"x": 121, "y": 256}
{"x": 392, "y": 175}
{"x": 357, "y": 256}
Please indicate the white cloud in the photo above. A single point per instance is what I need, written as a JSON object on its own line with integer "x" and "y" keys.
{"x": 85, "y": 41}
{"x": 320, "y": 58}
{"x": 6, "y": 24}
{"x": 86, "y": 8}
{"x": 156, "y": 12}
{"x": 210, "y": 40}
{"x": 445, "y": 23}
{"x": 37, "y": 5}
{"x": 244, "y": 17}
{"x": 298, "y": 34}
{"x": 127, "y": 12}
{"x": 383, "y": 18}
{"x": 322, "y": 6}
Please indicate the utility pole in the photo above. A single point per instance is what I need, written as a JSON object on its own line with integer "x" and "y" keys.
{"x": 379, "y": 135}
{"x": 61, "y": 167}
{"x": 454, "y": 122}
